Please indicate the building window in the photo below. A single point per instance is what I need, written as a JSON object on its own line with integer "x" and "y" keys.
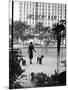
{"x": 43, "y": 13}
{"x": 43, "y": 9}
{"x": 36, "y": 4}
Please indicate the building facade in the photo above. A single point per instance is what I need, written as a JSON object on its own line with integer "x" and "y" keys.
{"x": 46, "y": 13}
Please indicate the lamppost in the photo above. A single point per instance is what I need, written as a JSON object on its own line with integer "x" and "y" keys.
{"x": 12, "y": 26}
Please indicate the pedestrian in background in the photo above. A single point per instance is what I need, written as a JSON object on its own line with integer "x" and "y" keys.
{"x": 30, "y": 51}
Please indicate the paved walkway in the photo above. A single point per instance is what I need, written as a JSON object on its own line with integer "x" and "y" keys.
{"x": 48, "y": 66}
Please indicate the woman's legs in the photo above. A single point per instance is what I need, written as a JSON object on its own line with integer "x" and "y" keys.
{"x": 30, "y": 61}
{"x": 31, "y": 56}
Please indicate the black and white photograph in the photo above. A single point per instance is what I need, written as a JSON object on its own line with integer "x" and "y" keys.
{"x": 37, "y": 44}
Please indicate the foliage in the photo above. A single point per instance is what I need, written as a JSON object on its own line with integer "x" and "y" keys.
{"x": 14, "y": 66}
{"x": 41, "y": 79}
{"x": 38, "y": 27}
{"x": 58, "y": 30}
{"x": 18, "y": 29}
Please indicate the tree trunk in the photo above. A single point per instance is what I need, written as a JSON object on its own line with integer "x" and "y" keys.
{"x": 62, "y": 47}
{"x": 58, "y": 52}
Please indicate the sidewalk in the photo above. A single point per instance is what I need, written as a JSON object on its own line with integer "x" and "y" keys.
{"x": 48, "y": 66}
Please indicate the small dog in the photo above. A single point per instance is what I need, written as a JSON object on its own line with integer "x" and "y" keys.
{"x": 23, "y": 61}
{"x": 39, "y": 59}
{"x": 32, "y": 76}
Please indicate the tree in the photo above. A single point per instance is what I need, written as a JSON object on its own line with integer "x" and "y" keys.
{"x": 18, "y": 29}
{"x": 57, "y": 29}
{"x": 39, "y": 27}
{"x": 63, "y": 34}
{"x": 46, "y": 35}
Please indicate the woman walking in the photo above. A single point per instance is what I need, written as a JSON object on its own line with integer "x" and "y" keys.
{"x": 30, "y": 51}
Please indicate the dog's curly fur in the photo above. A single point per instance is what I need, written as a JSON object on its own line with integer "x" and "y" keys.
{"x": 39, "y": 59}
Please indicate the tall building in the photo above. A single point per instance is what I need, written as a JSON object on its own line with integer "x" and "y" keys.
{"x": 47, "y": 13}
